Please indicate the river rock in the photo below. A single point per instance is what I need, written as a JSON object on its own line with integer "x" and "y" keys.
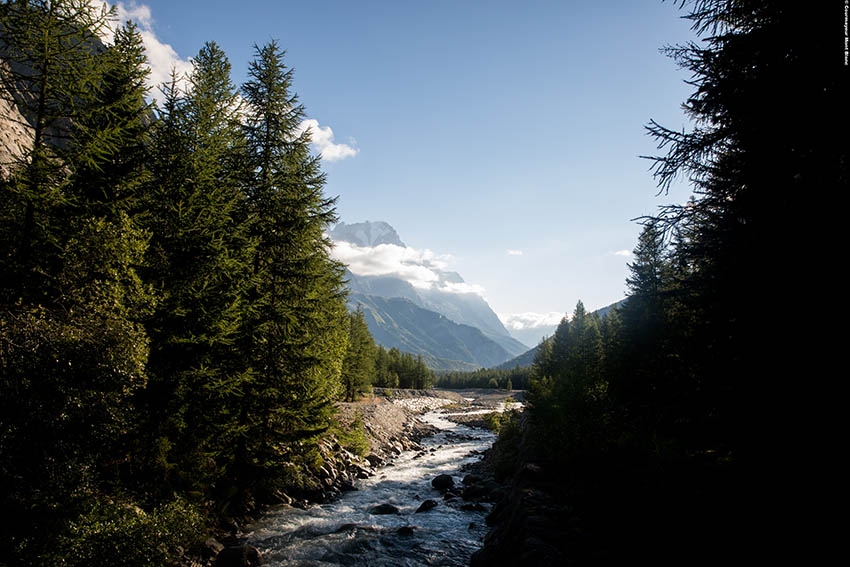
{"x": 443, "y": 482}
{"x": 472, "y": 479}
{"x": 406, "y": 530}
{"x": 239, "y": 556}
{"x": 427, "y": 505}
{"x": 384, "y": 509}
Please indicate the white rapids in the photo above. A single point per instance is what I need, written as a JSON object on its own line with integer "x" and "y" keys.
{"x": 344, "y": 532}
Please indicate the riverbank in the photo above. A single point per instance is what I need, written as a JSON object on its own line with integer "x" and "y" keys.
{"x": 373, "y": 433}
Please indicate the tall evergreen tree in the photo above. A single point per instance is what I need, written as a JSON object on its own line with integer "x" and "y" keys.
{"x": 72, "y": 346}
{"x": 297, "y": 321}
{"x": 200, "y": 263}
{"x": 51, "y": 67}
{"x": 358, "y": 366}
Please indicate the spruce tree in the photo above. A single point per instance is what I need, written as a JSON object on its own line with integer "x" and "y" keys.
{"x": 358, "y": 366}
{"x": 50, "y": 69}
{"x": 72, "y": 347}
{"x": 296, "y": 321}
{"x": 200, "y": 262}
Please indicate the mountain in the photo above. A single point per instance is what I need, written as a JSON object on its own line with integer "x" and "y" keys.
{"x": 445, "y": 345}
{"x": 366, "y": 233}
{"x": 464, "y": 308}
{"x": 527, "y": 358}
{"x": 441, "y": 300}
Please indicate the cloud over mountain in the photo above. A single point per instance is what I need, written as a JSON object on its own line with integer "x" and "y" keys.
{"x": 530, "y": 320}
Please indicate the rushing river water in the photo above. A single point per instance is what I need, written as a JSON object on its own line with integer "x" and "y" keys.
{"x": 344, "y": 532}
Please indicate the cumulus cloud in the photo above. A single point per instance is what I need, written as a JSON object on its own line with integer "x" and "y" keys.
{"x": 322, "y": 138}
{"x": 624, "y": 253}
{"x": 530, "y": 320}
{"x": 513, "y": 252}
{"x": 162, "y": 58}
{"x": 420, "y": 268}
{"x": 461, "y": 287}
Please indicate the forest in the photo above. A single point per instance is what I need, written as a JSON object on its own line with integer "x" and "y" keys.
{"x": 683, "y": 416}
{"x": 173, "y": 330}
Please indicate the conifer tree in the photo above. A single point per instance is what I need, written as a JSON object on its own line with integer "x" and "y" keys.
{"x": 358, "y": 366}
{"x": 296, "y": 322}
{"x": 50, "y": 69}
{"x": 199, "y": 261}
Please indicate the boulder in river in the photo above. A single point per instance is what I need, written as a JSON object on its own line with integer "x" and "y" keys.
{"x": 443, "y": 482}
{"x": 427, "y": 505}
{"x": 384, "y": 509}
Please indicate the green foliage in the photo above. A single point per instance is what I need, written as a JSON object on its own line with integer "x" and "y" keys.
{"x": 171, "y": 322}
{"x": 352, "y": 436}
{"x": 396, "y": 369}
{"x": 295, "y": 325}
{"x": 358, "y": 366}
{"x": 486, "y": 378}
{"x": 504, "y": 423}
{"x": 123, "y": 535}
{"x": 199, "y": 262}
{"x": 570, "y": 392}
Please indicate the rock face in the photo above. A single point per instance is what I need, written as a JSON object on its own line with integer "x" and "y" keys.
{"x": 16, "y": 133}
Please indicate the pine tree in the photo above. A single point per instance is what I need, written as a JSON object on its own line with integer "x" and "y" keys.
{"x": 358, "y": 366}
{"x": 297, "y": 323}
{"x": 200, "y": 262}
{"x": 50, "y": 69}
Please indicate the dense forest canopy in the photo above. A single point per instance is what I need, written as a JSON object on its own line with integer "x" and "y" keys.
{"x": 172, "y": 328}
{"x": 674, "y": 412}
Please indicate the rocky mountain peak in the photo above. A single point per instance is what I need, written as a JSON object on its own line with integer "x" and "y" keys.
{"x": 366, "y": 233}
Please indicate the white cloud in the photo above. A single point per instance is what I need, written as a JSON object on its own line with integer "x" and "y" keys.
{"x": 322, "y": 139}
{"x": 625, "y": 253}
{"x": 513, "y": 252}
{"x": 417, "y": 268}
{"x": 162, "y": 58}
{"x": 530, "y": 320}
{"x": 462, "y": 287}
{"x": 420, "y": 268}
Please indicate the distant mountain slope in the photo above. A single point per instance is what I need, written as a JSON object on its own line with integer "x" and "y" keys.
{"x": 527, "y": 358}
{"x": 398, "y": 322}
{"x": 444, "y": 293}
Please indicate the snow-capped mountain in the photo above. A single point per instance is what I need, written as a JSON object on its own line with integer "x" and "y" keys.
{"x": 366, "y": 234}
{"x": 381, "y": 266}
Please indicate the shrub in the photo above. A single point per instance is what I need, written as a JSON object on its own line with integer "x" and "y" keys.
{"x": 121, "y": 534}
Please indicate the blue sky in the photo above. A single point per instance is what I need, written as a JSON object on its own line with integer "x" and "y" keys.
{"x": 502, "y": 136}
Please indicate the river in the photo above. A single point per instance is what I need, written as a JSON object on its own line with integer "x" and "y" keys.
{"x": 344, "y": 532}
